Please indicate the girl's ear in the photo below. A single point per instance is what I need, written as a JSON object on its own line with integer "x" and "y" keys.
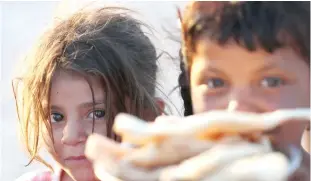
{"x": 161, "y": 104}
{"x": 149, "y": 115}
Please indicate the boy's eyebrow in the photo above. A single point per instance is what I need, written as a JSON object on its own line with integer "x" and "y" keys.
{"x": 266, "y": 67}
{"x": 215, "y": 71}
{"x": 212, "y": 69}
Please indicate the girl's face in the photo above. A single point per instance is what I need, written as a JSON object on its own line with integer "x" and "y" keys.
{"x": 232, "y": 78}
{"x": 72, "y": 114}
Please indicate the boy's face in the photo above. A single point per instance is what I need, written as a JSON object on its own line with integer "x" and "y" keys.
{"x": 230, "y": 77}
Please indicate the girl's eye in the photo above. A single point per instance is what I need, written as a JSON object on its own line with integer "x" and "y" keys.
{"x": 97, "y": 114}
{"x": 56, "y": 117}
{"x": 214, "y": 83}
{"x": 272, "y": 82}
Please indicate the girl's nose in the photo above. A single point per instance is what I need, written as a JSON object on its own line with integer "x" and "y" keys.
{"x": 74, "y": 133}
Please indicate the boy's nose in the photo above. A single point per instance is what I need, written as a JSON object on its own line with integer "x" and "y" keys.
{"x": 73, "y": 133}
{"x": 243, "y": 100}
{"x": 241, "y": 106}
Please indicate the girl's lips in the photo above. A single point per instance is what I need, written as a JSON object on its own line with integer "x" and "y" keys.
{"x": 76, "y": 158}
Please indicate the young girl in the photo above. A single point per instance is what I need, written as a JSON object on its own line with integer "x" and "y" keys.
{"x": 247, "y": 56}
{"x": 84, "y": 71}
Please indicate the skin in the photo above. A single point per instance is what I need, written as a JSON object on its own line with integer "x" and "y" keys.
{"x": 306, "y": 140}
{"x": 72, "y": 115}
{"x": 232, "y": 78}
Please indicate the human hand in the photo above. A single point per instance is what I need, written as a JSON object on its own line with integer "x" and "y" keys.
{"x": 113, "y": 162}
{"x": 154, "y": 161}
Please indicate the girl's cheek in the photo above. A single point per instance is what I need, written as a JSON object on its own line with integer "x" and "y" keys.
{"x": 100, "y": 127}
{"x": 54, "y": 144}
{"x": 57, "y": 134}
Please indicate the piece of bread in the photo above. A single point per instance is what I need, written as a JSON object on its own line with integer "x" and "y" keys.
{"x": 205, "y": 125}
{"x": 213, "y": 146}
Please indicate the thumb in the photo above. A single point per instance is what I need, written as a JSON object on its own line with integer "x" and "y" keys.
{"x": 103, "y": 168}
{"x": 98, "y": 146}
{"x": 167, "y": 119}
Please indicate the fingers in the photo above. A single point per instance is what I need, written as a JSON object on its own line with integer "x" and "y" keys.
{"x": 167, "y": 120}
{"x": 187, "y": 149}
{"x": 129, "y": 172}
{"x": 109, "y": 164}
{"x": 281, "y": 116}
{"x": 209, "y": 162}
{"x": 100, "y": 146}
{"x": 101, "y": 172}
{"x": 265, "y": 167}
{"x": 132, "y": 129}
{"x": 168, "y": 152}
{"x": 118, "y": 170}
{"x": 105, "y": 155}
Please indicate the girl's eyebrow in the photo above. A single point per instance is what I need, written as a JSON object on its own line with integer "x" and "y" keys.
{"x": 55, "y": 107}
{"x": 82, "y": 105}
{"x": 91, "y": 103}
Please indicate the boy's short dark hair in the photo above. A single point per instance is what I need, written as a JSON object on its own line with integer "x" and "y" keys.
{"x": 256, "y": 24}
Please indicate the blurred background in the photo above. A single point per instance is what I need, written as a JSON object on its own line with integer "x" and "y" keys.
{"x": 21, "y": 24}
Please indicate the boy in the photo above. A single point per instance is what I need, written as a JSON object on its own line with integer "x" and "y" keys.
{"x": 250, "y": 56}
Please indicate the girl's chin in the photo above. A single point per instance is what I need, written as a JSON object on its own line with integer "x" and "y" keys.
{"x": 82, "y": 166}
{"x": 83, "y": 173}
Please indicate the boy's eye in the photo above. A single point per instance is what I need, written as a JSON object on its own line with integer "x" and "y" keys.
{"x": 97, "y": 114}
{"x": 56, "y": 117}
{"x": 214, "y": 83}
{"x": 272, "y": 82}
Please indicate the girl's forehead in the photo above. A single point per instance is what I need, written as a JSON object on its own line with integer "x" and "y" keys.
{"x": 76, "y": 86}
{"x": 71, "y": 75}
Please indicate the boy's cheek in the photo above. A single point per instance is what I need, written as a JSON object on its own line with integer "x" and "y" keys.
{"x": 291, "y": 97}
{"x": 202, "y": 103}
{"x": 199, "y": 102}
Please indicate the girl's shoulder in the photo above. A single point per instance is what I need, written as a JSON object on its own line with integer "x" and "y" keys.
{"x": 44, "y": 175}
